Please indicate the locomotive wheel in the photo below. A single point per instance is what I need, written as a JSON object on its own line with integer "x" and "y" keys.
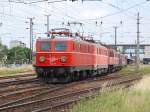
{"x": 98, "y": 72}
{"x": 74, "y": 76}
{"x": 105, "y": 71}
{"x": 78, "y": 76}
{"x": 84, "y": 75}
{"x": 90, "y": 74}
{"x": 68, "y": 79}
{"x": 94, "y": 73}
{"x": 39, "y": 75}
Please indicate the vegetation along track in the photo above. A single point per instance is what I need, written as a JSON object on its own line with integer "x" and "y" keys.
{"x": 62, "y": 96}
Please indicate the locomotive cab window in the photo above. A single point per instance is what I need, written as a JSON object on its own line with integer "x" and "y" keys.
{"x": 45, "y": 45}
{"x": 60, "y": 46}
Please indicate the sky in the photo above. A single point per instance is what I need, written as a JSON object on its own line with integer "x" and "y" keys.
{"x": 98, "y": 17}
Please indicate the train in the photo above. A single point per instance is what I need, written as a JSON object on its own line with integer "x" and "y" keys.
{"x": 67, "y": 57}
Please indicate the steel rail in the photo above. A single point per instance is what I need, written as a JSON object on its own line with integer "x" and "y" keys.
{"x": 17, "y": 76}
{"x": 17, "y": 82}
{"x": 21, "y": 94}
{"x": 11, "y": 89}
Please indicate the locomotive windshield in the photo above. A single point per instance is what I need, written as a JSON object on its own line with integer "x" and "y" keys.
{"x": 60, "y": 46}
{"x": 45, "y": 45}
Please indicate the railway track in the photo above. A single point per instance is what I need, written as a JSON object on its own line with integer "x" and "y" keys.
{"x": 17, "y": 81}
{"x": 14, "y": 88}
{"x": 22, "y": 87}
{"x": 12, "y": 80}
{"x": 17, "y": 76}
{"x": 60, "y": 96}
{"x": 32, "y": 91}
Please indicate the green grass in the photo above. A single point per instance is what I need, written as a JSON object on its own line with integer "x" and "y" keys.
{"x": 144, "y": 70}
{"x": 136, "y": 99}
{"x": 8, "y": 71}
{"x": 117, "y": 101}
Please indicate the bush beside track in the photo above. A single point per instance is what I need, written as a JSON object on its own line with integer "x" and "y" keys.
{"x": 137, "y": 99}
{"x": 4, "y": 71}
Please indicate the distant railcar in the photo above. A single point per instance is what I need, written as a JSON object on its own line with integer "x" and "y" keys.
{"x": 146, "y": 60}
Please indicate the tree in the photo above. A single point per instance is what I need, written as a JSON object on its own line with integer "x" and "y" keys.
{"x": 18, "y": 55}
{"x": 3, "y": 53}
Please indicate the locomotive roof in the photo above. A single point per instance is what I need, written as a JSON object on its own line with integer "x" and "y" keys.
{"x": 48, "y": 39}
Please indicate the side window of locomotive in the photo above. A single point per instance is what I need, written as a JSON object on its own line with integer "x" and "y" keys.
{"x": 88, "y": 49}
{"x": 74, "y": 49}
{"x": 45, "y": 45}
{"x": 60, "y": 46}
{"x": 111, "y": 54}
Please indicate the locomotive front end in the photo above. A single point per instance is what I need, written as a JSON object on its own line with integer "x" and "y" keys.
{"x": 53, "y": 57}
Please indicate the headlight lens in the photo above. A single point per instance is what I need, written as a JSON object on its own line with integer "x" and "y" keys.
{"x": 63, "y": 59}
{"x": 42, "y": 59}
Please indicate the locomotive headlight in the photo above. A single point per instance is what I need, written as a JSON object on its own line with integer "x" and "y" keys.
{"x": 42, "y": 59}
{"x": 63, "y": 59}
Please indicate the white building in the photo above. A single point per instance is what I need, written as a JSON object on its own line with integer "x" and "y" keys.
{"x": 16, "y": 43}
{"x": 147, "y": 52}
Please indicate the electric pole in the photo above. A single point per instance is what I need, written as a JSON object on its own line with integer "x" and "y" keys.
{"x": 115, "y": 27}
{"x": 47, "y": 24}
{"x": 137, "y": 45}
{"x": 31, "y": 39}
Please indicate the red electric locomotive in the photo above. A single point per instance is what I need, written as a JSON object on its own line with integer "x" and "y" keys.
{"x": 64, "y": 57}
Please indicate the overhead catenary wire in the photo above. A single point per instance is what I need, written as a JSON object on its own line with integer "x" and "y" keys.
{"x": 116, "y": 13}
{"x": 34, "y": 2}
{"x": 124, "y": 9}
{"x": 61, "y": 14}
